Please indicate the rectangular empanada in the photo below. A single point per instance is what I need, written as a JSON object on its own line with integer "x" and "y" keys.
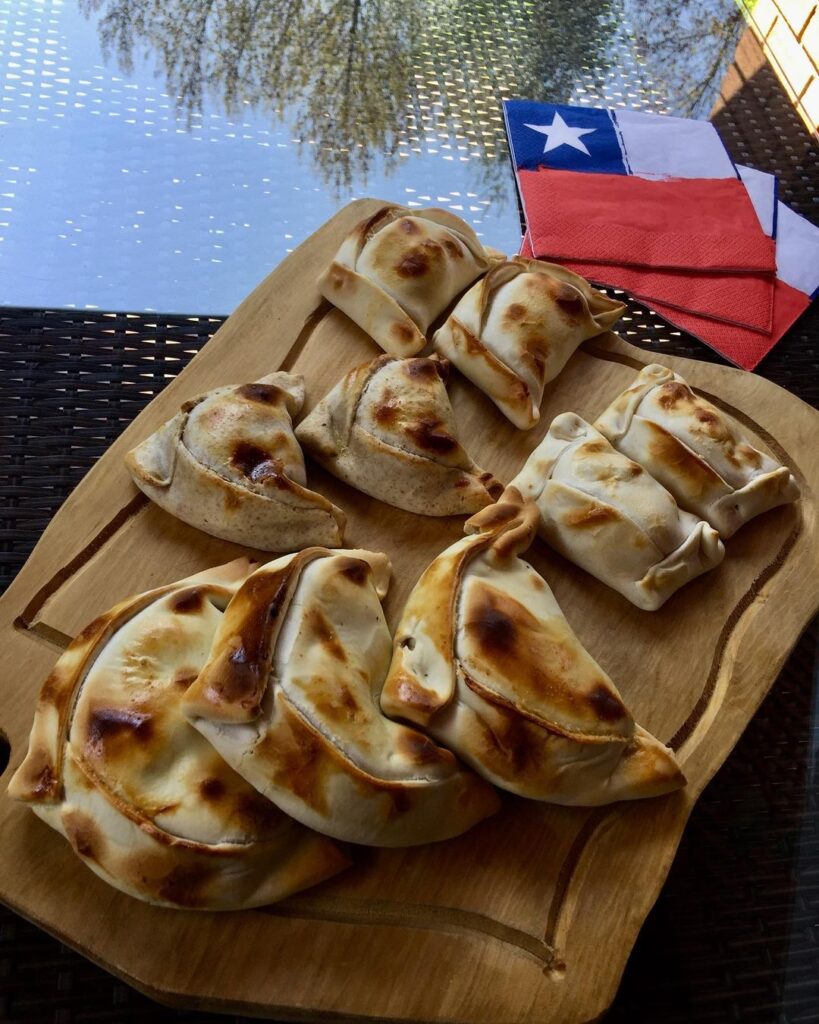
{"x": 695, "y": 451}
{"x": 608, "y": 515}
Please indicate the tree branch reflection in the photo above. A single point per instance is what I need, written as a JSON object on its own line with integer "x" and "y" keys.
{"x": 342, "y": 70}
{"x": 356, "y": 79}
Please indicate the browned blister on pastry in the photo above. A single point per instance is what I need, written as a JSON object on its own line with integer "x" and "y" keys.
{"x": 486, "y": 663}
{"x": 388, "y": 429}
{"x": 399, "y": 269}
{"x": 142, "y": 798}
{"x": 229, "y": 464}
{"x": 289, "y": 697}
{"x": 695, "y": 450}
{"x": 518, "y": 326}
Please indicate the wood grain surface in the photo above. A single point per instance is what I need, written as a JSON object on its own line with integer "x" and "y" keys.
{"x": 531, "y": 916}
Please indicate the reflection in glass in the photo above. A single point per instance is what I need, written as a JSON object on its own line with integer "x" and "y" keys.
{"x": 327, "y": 100}
{"x": 687, "y": 46}
{"x": 360, "y": 81}
{"x": 342, "y": 70}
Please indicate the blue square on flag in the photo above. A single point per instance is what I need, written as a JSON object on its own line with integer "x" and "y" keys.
{"x": 563, "y": 137}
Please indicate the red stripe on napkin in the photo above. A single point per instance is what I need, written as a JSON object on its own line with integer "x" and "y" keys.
{"x": 743, "y": 299}
{"x": 691, "y": 224}
{"x": 743, "y": 347}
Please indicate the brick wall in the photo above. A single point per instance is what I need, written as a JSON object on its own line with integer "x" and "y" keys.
{"x": 789, "y": 33}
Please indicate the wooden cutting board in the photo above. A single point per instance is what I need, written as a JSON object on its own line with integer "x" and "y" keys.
{"x": 532, "y": 915}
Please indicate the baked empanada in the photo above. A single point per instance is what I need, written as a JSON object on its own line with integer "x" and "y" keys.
{"x": 516, "y": 329}
{"x": 399, "y": 269}
{"x": 695, "y": 450}
{"x": 608, "y": 515}
{"x": 229, "y": 464}
{"x": 142, "y": 798}
{"x": 485, "y": 662}
{"x": 388, "y": 429}
{"x": 289, "y": 698}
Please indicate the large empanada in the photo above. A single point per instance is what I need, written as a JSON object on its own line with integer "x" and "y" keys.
{"x": 229, "y": 464}
{"x": 388, "y": 429}
{"x": 485, "y": 662}
{"x": 695, "y": 450}
{"x": 289, "y": 698}
{"x": 612, "y": 518}
{"x": 399, "y": 269}
{"x": 142, "y": 798}
{"x": 516, "y": 329}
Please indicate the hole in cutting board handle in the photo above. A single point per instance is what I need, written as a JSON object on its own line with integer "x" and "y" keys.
{"x": 5, "y": 751}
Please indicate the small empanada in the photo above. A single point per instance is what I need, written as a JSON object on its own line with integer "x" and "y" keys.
{"x": 485, "y": 662}
{"x": 289, "y": 697}
{"x": 229, "y": 464}
{"x": 516, "y": 329}
{"x": 388, "y": 429}
{"x": 399, "y": 269}
{"x": 695, "y": 450}
{"x": 142, "y": 798}
{"x": 608, "y": 515}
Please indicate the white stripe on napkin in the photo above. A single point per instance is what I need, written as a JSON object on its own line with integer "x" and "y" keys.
{"x": 659, "y": 146}
{"x": 762, "y": 190}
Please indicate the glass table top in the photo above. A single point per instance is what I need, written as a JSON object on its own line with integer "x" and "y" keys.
{"x": 165, "y": 156}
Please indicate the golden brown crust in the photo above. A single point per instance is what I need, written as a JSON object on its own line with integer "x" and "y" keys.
{"x": 515, "y": 329}
{"x": 399, "y": 269}
{"x": 695, "y": 450}
{"x": 143, "y": 800}
{"x": 388, "y": 429}
{"x": 485, "y": 662}
{"x": 510, "y": 524}
{"x": 229, "y": 464}
{"x": 230, "y": 688}
{"x": 312, "y": 738}
{"x": 533, "y": 666}
{"x": 605, "y": 513}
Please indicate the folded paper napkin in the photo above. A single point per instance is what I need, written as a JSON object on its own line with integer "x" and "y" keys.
{"x": 795, "y": 286}
{"x": 683, "y": 224}
{"x": 655, "y": 206}
{"x": 655, "y": 242}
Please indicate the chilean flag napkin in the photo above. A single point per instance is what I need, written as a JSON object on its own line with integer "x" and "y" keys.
{"x": 748, "y": 298}
{"x": 695, "y": 244}
{"x": 606, "y": 141}
{"x": 658, "y": 194}
{"x": 795, "y": 287}
{"x": 654, "y": 205}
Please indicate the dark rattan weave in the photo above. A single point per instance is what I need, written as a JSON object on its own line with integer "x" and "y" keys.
{"x": 735, "y": 933}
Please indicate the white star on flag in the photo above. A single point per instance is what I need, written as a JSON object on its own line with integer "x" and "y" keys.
{"x": 558, "y": 133}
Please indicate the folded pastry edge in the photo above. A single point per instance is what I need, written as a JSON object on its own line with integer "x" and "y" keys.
{"x": 371, "y": 309}
{"x": 501, "y": 385}
{"x": 313, "y": 519}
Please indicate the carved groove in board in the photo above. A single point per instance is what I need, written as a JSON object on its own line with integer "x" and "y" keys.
{"x": 414, "y": 915}
{"x": 567, "y": 869}
{"x": 310, "y": 324}
{"x": 739, "y": 609}
{"x": 48, "y": 590}
{"x": 44, "y": 633}
{"x": 448, "y": 919}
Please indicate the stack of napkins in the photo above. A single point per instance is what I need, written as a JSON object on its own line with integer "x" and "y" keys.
{"x": 655, "y": 205}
